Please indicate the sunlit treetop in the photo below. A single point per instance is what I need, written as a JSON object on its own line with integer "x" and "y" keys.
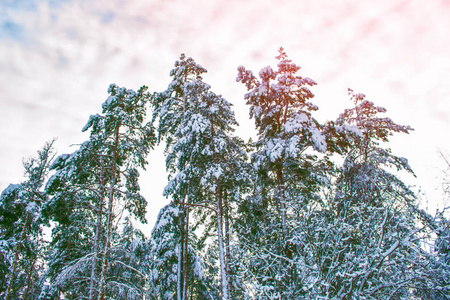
{"x": 280, "y": 104}
{"x": 364, "y": 116}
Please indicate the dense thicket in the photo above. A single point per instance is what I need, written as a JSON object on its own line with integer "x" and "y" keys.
{"x": 308, "y": 210}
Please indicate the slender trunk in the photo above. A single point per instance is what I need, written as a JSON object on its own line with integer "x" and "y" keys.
{"x": 96, "y": 253}
{"x": 11, "y": 278}
{"x": 280, "y": 178}
{"x": 223, "y": 271}
{"x": 98, "y": 226}
{"x": 181, "y": 284}
{"x": 29, "y": 276}
{"x": 16, "y": 259}
{"x": 223, "y": 268}
{"x": 180, "y": 263}
{"x": 185, "y": 251}
{"x": 109, "y": 217}
{"x": 226, "y": 211}
{"x": 282, "y": 198}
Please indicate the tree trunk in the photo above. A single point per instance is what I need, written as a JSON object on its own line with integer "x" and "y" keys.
{"x": 282, "y": 198}
{"x": 185, "y": 250}
{"x": 109, "y": 217}
{"x": 96, "y": 253}
{"x": 16, "y": 259}
{"x": 98, "y": 226}
{"x": 179, "y": 267}
{"x": 223, "y": 269}
{"x": 29, "y": 281}
{"x": 226, "y": 211}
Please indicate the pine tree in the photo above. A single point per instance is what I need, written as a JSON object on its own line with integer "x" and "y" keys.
{"x": 286, "y": 178}
{"x": 202, "y": 155}
{"x": 368, "y": 241}
{"x": 92, "y": 188}
{"x": 21, "y": 226}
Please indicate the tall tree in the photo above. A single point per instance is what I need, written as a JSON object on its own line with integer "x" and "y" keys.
{"x": 368, "y": 240}
{"x": 93, "y": 187}
{"x": 286, "y": 170}
{"x": 21, "y": 227}
{"x": 202, "y": 154}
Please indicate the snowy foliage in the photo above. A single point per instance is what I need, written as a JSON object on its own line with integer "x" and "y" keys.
{"x": 370, "y": 248}
{"x": 165, "y": 259}
{"x": 165, "y": 241}
{"x": 93, "y": 186}
{"x": 319, "y": 211}
{"x": 285, "y": 166}
{"x": 202, "y": 155}
{"x": 21, "y": 223}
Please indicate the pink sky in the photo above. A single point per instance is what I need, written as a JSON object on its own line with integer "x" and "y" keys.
{"x": 57, "y": 73}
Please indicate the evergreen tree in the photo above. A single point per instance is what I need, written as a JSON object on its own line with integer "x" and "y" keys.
{"x": 203, "y": 156}
{"x": 287, "y": 175}
{"x": 367, "y": 239}
{"x": 92, "y": 188}
{"x": 21, "y": 224}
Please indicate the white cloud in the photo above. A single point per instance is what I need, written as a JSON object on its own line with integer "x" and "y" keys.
{"x": 395, "y": 52}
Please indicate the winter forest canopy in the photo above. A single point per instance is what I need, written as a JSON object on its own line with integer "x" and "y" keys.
{"x": 305, "y": 211}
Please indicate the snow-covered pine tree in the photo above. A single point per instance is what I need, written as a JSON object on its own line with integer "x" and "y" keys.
{"x": 202, "y": 155}
{"x": 368, "y": 240}
{"x": 286, "y": 176}
{"x": 72, "y": 240}
{"x": 165, "y": 260}
{"x": 21, "y": 237}
{"x": 92, "y": 188}
{"x": 169, "y": 112}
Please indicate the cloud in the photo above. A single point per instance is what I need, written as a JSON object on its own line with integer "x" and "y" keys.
{"x": 57, "y": 58}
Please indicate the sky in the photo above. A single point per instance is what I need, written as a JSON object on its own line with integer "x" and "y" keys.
{"x": 57, "y": 59}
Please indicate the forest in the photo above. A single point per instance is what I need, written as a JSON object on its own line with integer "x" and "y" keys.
{"x": 307, "y": 210}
